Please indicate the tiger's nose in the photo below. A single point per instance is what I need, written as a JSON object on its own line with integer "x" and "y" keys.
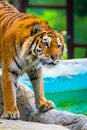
{"x": 54, "y": 57}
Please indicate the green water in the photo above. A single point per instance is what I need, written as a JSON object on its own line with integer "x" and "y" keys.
{"x": 73, "y": 101}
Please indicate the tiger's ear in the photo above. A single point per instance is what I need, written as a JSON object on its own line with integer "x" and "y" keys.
{"x": 35, "y": 29}
{"x": 63, "y": 33}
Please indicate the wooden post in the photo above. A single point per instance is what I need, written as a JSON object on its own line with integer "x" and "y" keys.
{"x": 23, "y": 5}
{"x": 70, "y": 29}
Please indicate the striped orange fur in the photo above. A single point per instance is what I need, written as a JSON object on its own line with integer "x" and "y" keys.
{"x": 25, "y": 43}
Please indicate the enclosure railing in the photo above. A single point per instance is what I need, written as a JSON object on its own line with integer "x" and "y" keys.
{"x": 70, "y": 22}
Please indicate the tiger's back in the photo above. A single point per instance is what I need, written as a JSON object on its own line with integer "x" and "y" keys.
{"x": 7, "y": 15}
{"x": 10, "y": 16}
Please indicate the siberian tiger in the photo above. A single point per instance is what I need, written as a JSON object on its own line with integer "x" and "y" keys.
{"x": 25, "y": 43}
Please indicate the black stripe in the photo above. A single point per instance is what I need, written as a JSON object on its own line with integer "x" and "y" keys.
{"x": 10, "y": 19}
{"x": 54, "y": 36}
{"x": 40, "y": 34}
{"x": 21, "y": 43}
{"x": 23, "y": 40}
{"x": 18, "y": 16}
{"x": 4, "y": 3}
{"x": 34, "y": 78}
{"x": 6, "y": 12}
{"x": 27, "y": 17}
{"x": 15, "y": 49}
{"x": 29, "y": 53}
{"x": 29, "y": 25}
{"x": 41, "y": 53}
{"x": 7, "y": 5}
{"x": 32, "y": 24}
{"x": 32, "y": 43}
{"x": 36, "y": 46}
{"x": 13, "y": 73}
{"x": 3, "y": 13}
{"x": 2, "y": 8}
{"x": 17, "y": 64}
{"x": 37, "y": 63}
{"x": 35, "y": 39}
{"x": 50, "y": 33}
{"x": 15, "y": 85}
{"x": 4, "y": 17}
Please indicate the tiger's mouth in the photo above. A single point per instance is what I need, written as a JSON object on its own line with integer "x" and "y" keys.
{"x": 49, "y": 62}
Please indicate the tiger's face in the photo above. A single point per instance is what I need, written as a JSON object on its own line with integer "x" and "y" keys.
{"x": 49, "y": 48}
{"x": 47, "y": 45}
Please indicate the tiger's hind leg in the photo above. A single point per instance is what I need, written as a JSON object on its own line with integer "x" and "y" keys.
{"x": 9, "y": 84}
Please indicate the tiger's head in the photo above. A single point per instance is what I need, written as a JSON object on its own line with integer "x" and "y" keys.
{"x": 46, "y": 44}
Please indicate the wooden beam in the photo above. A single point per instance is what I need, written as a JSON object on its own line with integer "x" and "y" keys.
{"x": 47, "y": 6}
{"x": 84, "y": 45}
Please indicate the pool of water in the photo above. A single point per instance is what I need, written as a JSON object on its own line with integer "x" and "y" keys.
{"x": 65, "y": 84}
{"x": 73, "y": 101}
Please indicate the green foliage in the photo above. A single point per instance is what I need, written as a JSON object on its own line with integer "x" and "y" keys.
{"x": 53, "y": 17}
{"x": 80, "y": 35}
{"x": 80, "y": 28}
{"x": 79, "y": 52}
{"x": 80, "y": 7}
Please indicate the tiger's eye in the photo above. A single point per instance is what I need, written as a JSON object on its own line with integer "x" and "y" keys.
{"x": 59, "y": 46}
{"x": 46, "y": 44}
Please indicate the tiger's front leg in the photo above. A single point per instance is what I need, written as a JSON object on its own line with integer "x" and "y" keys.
{"x": 37, "y": 81}
{"x": 9, "y": 87}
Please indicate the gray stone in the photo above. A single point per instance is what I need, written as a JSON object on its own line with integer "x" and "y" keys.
{"x": 22, "y": 125}
{"x": 64, "y": 118}
{"x": 26, "y": 102}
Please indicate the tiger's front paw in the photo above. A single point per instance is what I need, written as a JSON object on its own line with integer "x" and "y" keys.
{"x": 14, "y": 115}
{"x": 47, "y": 105}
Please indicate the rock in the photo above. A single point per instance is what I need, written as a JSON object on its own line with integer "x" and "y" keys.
{"x": 29, "y": 112}
{"x": 22, "y": 125}
{"x": 63, "y": 118}
{"x": 26, "y": 102}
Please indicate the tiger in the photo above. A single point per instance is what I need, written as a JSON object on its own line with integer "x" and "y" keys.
{"x": 26, "y": 43}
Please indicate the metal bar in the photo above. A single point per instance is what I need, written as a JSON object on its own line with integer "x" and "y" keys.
{"x": 47, "y": 6}
{"x": 80, "y": 45}
{"x": 70, "y": 28}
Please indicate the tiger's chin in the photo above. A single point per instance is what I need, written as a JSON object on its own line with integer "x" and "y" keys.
{"x": 44, "y": 62}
